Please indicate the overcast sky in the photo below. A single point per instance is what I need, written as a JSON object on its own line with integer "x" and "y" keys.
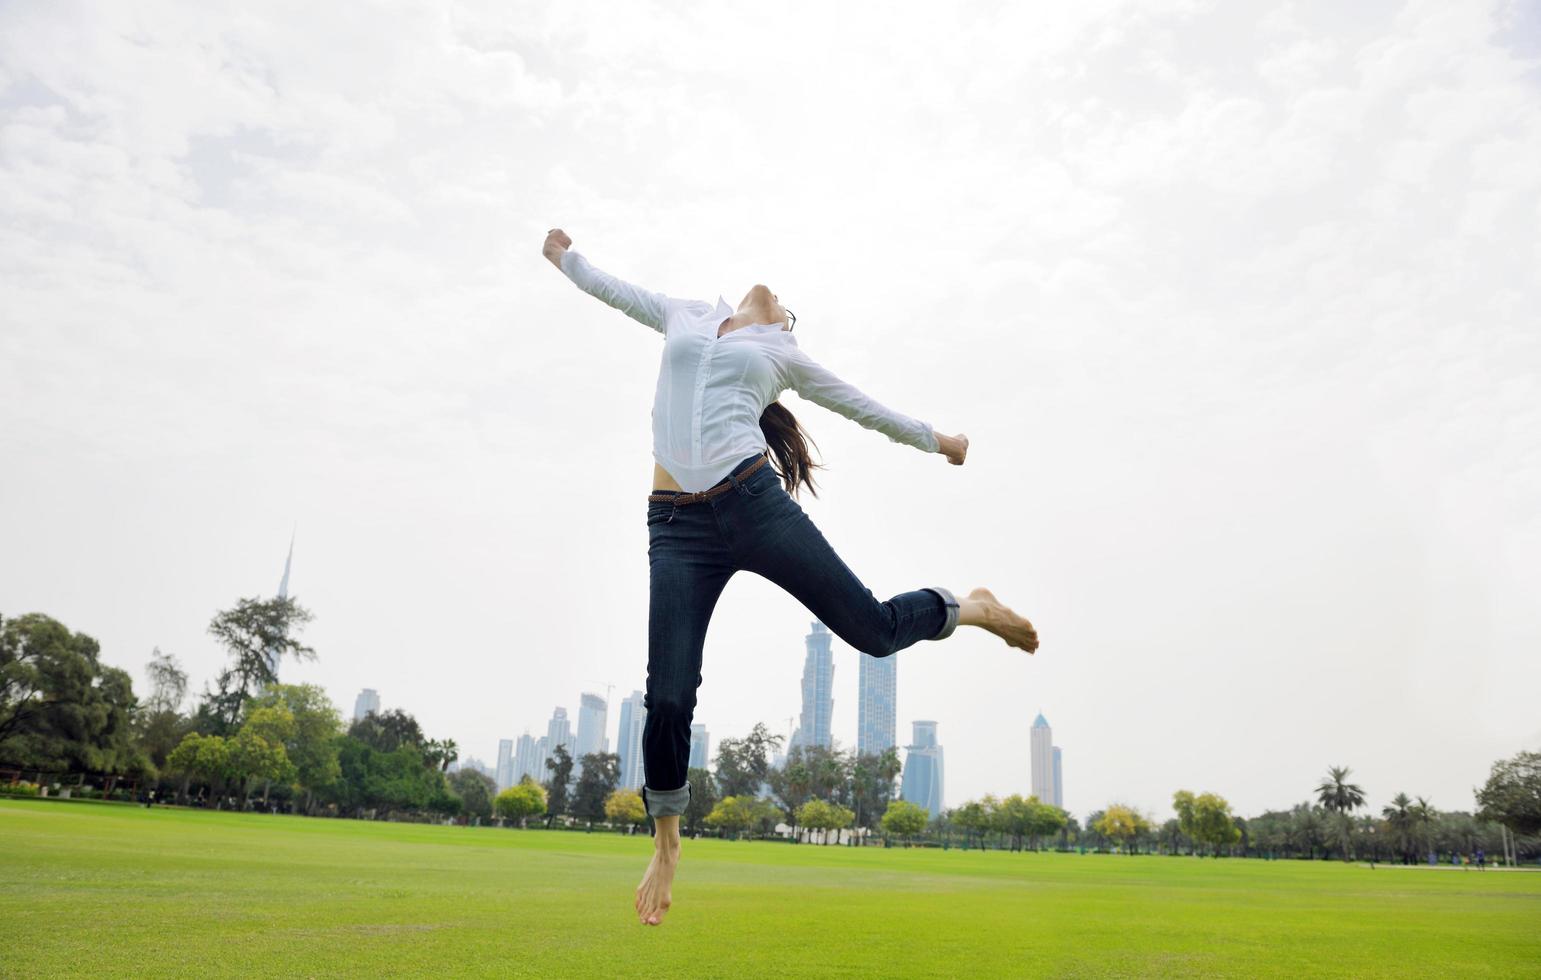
{"x": 1236, "y": 303}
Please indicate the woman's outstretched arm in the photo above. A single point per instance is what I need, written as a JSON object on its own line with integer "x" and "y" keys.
{"x": 819, "y": 385}
{"x": 642, "y": 305}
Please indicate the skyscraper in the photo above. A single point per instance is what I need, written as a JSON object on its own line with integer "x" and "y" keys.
{"x": 698, "y": 746}
{"x": 559, "y": 732}
{"x": 1059, "y": 782}
{"x": 368, "y": 700}
{"x": 813, "y": 725}
{"x": 272, "y": 652}
{"x": 538, "y": 770}
{"x": 525, "y": 759}
{"x": 1041, "y": 756}
{"x": 628, "y": 740}
{"x": 923, "y": 770}
{"x": 593, "y": 716}
{"x": 876, "y": 721}
{"x": 505, "y": 771}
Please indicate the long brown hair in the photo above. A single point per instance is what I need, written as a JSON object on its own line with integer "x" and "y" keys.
{"x": 789, "y": 442}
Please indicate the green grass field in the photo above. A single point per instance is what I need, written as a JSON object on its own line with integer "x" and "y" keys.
{"x": 113, "y": 890}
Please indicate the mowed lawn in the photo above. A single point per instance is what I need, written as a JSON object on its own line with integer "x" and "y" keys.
{"x": 114, "y": 890}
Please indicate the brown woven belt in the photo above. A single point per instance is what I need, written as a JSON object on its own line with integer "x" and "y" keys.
{"x": 709, "y": 492}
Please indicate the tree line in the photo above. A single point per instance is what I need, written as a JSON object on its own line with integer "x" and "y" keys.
{"x": 249, "y": 742}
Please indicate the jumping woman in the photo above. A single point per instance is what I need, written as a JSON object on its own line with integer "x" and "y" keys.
{"x": 718, "y": 506}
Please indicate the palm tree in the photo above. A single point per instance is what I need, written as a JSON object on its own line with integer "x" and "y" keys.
{"x": 1341, "y": 797}
{"x": 1402, "y": 820}
{"x": 1425, "y": 812}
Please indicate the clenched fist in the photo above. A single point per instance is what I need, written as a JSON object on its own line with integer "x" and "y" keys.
{"x": 955, "y": 448}
{"x": 557, "y": 242}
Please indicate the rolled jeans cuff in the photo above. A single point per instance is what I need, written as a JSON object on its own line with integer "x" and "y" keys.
{"x": 666, "y": 803}
{"x": 950, "y": 602}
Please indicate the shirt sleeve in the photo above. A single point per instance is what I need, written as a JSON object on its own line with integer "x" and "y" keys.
{"x": 642, "y": 305}
{"x": 819, "y": 385}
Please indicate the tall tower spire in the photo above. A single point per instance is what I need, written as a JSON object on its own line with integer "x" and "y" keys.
{"x": 283, "y": 584}
{"x": 283, "y": 593}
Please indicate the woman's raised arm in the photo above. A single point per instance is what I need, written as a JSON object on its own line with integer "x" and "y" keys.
{"x": 642, "y": 305}
{"x": 819, "y": 385}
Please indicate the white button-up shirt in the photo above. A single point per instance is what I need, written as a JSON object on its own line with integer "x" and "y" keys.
{"x": 712, "y": 390}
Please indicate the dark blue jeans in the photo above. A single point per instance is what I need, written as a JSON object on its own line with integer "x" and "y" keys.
{"x": 693, "y": 549}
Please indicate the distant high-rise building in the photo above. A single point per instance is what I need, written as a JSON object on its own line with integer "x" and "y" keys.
{"x": 524, "y": 759}
{"x": 629, "y": 741}
{"x": 538, "y": 770}
{"x": 1041, "y": 756}
{"x": 698, "y": 746}
{"x": 924, "y": 773}
{"x": 876, "y": 714}
{"x": 559, "y": 732}
{"x": 1059, "y": 782}
{"x": 593, "y": 718}
{"x": 813, "y": 725}
{"x": 368, "y": 700}
{"x": 271, "y": 655}
{"x": 505, "y": 771}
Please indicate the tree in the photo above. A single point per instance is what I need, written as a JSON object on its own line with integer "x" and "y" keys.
{"x": 601, "y": 773}
{"x": 1339, "y": 796}
{"x": 522, "y": 801}
{"x": 441, "y": 752}
{"x": 258, "y": 634}
{"x": 733, "y": 813}
{"x": 1205, "y": 818}
{"x": 872, "y": 784}
{"x": 1215, "y": 824}
{"x": 388, "y": 730}
{"x": 703, "y": 797}
{"x": 399, "y": 780}
{"x": 904, "y": 819}
{"x": 1424, "y": 813}
{"x": 475, "y": 790}
{"x": 1122, "y": 824}
{"x": 560, "y": 765}
{"x": 1512, "y": 794}
{"x": 1012, "y": 817}
{"x": 974, "y": 819}
{"x": 821, "y": 815}
{"x": 312, "y": 745}
{"x": 1401, "y": 818}
{"x": 254, "y": 756}
{"x": 61, "y": 709}
{"x": 624, "y": 806}
{"x": 168, "y": 683}
{"x": 1044, "y": 820}
{"x": 274, "y": 724}
{"x": 742, "y": 763}
{"x": 791, "y": 784}
{"x": 202, "y": 757}
{"x": 158, "y": 722}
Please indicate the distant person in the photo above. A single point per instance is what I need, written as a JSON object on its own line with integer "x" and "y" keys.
{"x": 717, "y": 507}
{"x": 1481, "y": 859}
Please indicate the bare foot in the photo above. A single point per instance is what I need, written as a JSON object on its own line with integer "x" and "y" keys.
{"x": 1003, "y": 622}
{"x": 653, "y": 895}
